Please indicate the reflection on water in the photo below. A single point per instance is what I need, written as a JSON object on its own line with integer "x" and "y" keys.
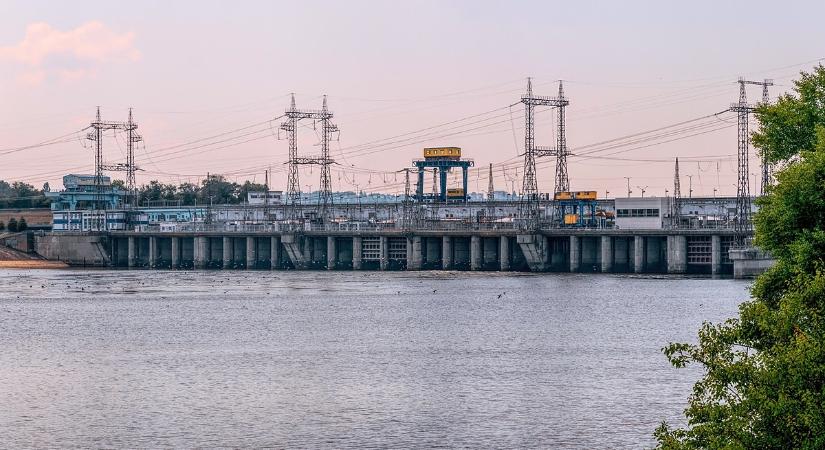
{"x": 147, "y": 359}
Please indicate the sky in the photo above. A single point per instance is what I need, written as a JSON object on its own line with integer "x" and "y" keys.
{"x": 208, "y": 82}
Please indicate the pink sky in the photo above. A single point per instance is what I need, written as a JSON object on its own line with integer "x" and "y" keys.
{"x": 399, "y": 76}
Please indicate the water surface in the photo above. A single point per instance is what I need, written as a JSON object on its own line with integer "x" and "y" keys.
{"x": 345, "y": 359}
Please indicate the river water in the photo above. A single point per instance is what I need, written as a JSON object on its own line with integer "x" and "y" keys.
{"x": 345, "y": 359}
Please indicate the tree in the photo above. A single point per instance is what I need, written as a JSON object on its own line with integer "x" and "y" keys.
{"x": 2, "y": 226}
{"x": 248, "y": 187}
{"x": 764, "y": 372}
{"x": 12, "y": 225}
{"x": 22, "y": 225}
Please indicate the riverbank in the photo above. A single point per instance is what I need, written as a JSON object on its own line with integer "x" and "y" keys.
{"x": 13, "y": 259}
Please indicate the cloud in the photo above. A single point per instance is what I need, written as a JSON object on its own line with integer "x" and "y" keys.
{"x": 70, "y": 55}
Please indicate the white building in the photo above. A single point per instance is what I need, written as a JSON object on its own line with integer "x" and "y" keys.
{"x": 265, "y": 198}
{"x": 640, "y": 213}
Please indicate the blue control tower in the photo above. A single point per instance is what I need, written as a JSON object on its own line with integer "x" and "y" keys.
{"x": 443, "y": 159}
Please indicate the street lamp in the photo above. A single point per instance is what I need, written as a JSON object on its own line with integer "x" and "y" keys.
{"x": 641, "y": 189}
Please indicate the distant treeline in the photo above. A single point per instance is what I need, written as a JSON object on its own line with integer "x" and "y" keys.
{"x": 21, "y": 195}
{"x": 214, "y": 188}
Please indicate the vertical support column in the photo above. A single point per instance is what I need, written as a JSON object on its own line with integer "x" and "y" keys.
{"x": 475, "y": 253}
{"x": 175, "y": 252}
{"x": 153, "y": 252}
{"x": 384, "y": 259}
{"x": 715, "y": 254}
{"x": 251, "y": 254}
{"x": 274, "y": 252}
{"x": 504, "y": 253}
{"x": 308, "y": 250}
{"x": 332, "y": 253}
{"x": 446, "y": 253}
{"x": 676, "y": 254}
{"x": 200, "y": 251}
{"x": 639, "y": 254}
{"x": 132, "y": 255}
{"x": 227, "y": 252}
{"x": 357, "y": 253}
{"x": 414, "y": 256}
{"x": 575, "y": 254}
{"x": 607, "y": 254}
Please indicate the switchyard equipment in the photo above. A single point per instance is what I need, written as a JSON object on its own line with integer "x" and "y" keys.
{"x": 577, "y": 209}
{"x": 442, "y": 159}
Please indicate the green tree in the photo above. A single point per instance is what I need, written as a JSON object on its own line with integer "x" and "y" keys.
{"x": 248, "y": 187}
{"x": 12, "y": 225}
{"x": 220, "y": 191}
{"x": 2, "y": 226}
{"x": 764, "y": 371}
{"x": 22, "y": 225}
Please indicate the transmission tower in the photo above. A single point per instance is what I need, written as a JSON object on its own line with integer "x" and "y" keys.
{"x": 676, "y": 206}
{"x": 406, "y": 206}
{"x": 767, "y": 169}
{"x": 491, "y": 210}
{"x": 294, "y": 115}
{"x": 131, "y": 139}
{"x": 529, "y": 205}
{"x": 96, "y": 135}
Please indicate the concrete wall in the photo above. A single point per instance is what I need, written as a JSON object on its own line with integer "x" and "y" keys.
{"x": 74, "y": 249}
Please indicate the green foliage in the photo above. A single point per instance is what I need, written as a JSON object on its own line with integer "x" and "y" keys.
{"x": 12, "y": 225}
{"x": 21, "y": 195}
{"x": 22, "y": 225}
{"x": 214, "y": 189}
{"x": 764, "y": 372}
{"x": 787, "y": 127}
{"x": 2, "y": 225}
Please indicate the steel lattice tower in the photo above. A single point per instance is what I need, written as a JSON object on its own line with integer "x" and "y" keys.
{"x": 131, "y": 139}
{"x": 562, "y": 180}
{"x": 742, "y": 224}
{"x": 327, "y": 129}
{"x": 96, "y": 135}
{"x": 293, "y": 188}
{"x": 767, "y": 169}
{"x": 491, "y": 210}
{"x": 294, "y": 115}
{"x": 406, "y": 207}
{"x": 676, "y": 206}
{"x": 529, "y": 205}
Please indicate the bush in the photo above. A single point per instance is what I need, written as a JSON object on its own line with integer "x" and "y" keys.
{"x": 12, "y": 226}
{"x": 2, "y": 226}
{"x": 22, "y": 225}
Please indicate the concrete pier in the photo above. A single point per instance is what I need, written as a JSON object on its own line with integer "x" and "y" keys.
{"x": 274, "y": 253}
{"x": 715, "y": 254}
{"x": 175, "y": 253}
{"x": 227, "y": 262}
{"x": 332, "y": 253}
{"x": 357, "y": 253}
{"x": 676, "y": 254}
{"x": 639, "y": 254}
{"x": 575, "y": 254}
{"x": 153, "y": 252}
{"x": 414, "y": 253}
{"x": 607, "y": 254}
{"x": 446, "y": 252}
{"x": 132, "y": 254}
{"x": 384, "y": 261}
{"x": 475, "y": 252}
{"x": 504, "y": 253}
{"x": 251, "y": 253}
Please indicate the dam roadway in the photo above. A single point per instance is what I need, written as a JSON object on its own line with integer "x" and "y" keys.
{"x": 548, "y": 250}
